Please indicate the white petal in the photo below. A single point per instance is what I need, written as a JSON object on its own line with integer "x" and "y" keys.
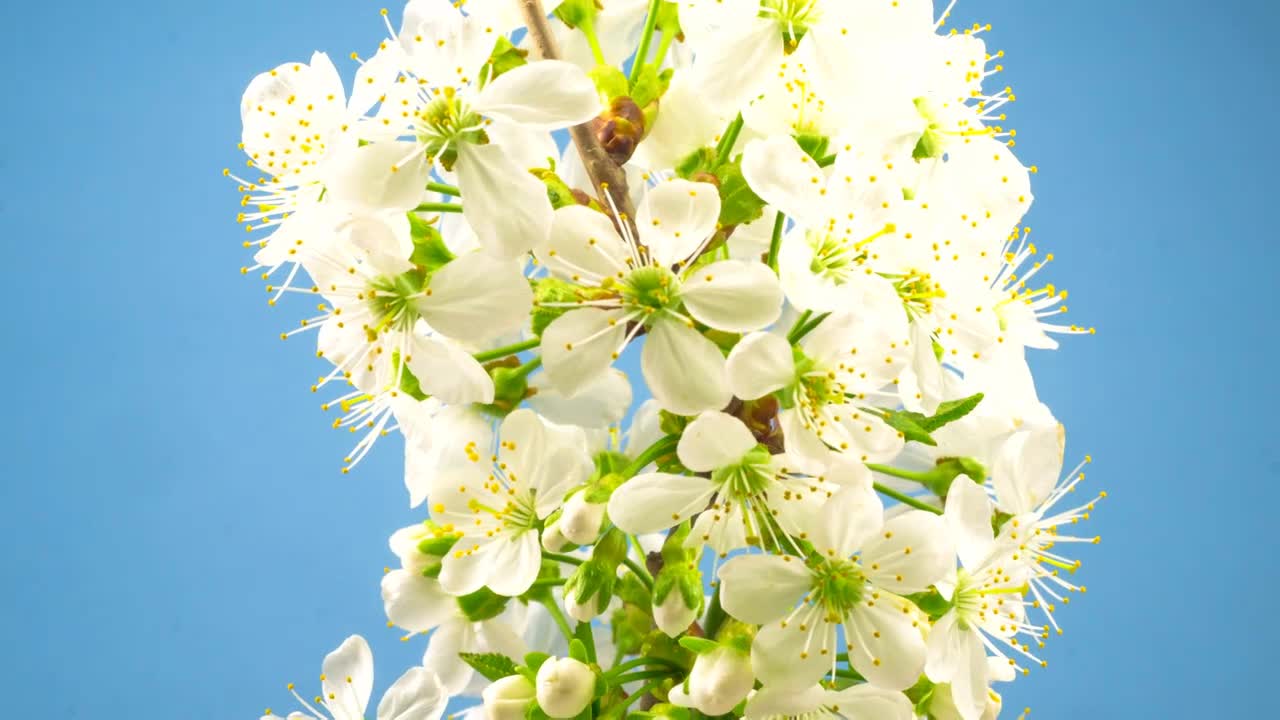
{"x": 759, "y": 364}
{"x": 348, "y": 675}
{"x": 583, "y": 245}
{"x": 847, "y": 521}
{"x": 733, "y": 295}
{"x": 550, "y": 94}
{"x": 912, "y": 552}
{"x": 414, "y": 602}
{"x": 518, "y": 561}
{"x": 714, "y": 440}
{"x": 802, "y": 444}
{"x": 417, "y": 695}
{"x": 656, "y": 501}
{"x": 441, "y": 655}
{"x": 956, "y": 656}
{"x": 884, "y": 644}
{"x": 477, "y": 297}
{"x": 469, "y": 565}
{"x": 792, "y": 657}
{"x": 1027, "y": 468}
{"x": 447, "y": 372}
{"x": 730, "y": 69}
{"x": 506, "y": 206}
{"x": 601, "y": 403}
{"x": 378, "y": 176}
{"x": 772, "y": 702}
{"x": 868, "y": 701}
{"x": 760, "y": 589}
{"x": 685, "y": 371}
{"x": 968, "y": 517}
{"x": 676, "y": 217}
{"x": 784, "y": 176}
{"x": 579, "y": 346}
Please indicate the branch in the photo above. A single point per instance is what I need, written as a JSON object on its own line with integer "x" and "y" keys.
{"x": 605, "y": 174}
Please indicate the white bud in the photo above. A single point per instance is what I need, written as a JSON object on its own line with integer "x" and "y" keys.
{"x": 580, "y": 520}
{"x": 553, "y": 540}
{"x": 582, "y": 612}
{"x": 719, "y": 681}
{"x": 507, "y": 699}
{"x": 672, "y": 615}
{"x": 565, "y": 687}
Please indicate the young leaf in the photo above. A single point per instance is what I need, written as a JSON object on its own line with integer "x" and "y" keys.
{"x": 492, "y": 666}
{"x": 911, "y": 425}
{"x": 953, "y": 410}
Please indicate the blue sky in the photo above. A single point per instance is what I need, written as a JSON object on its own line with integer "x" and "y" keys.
{"x": 175, "y": 537}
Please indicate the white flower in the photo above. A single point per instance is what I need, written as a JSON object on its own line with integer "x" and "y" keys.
{"x": 347, "y": 680}
{"x": 829, "y": 386}
{"x": 495, "y": 504}
{"x": 565, "y": 687}
{"x": 638, "y": 290}
{"x": 507, "y": 698}
{"x": 756, "y": 496}
{"x": 987, "y": 603}
{"x": 719, "y": 680}
{"x": 580, "y": 521}
{"x": 474, "y": 124}
{"x": 673, "y": 616}
{"x": 865, "y": 565}
{"x": 387, "y": 319}
{"x": 860, "y": 702}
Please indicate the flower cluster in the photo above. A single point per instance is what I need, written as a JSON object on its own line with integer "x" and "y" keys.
{"x": 839, "y": 494}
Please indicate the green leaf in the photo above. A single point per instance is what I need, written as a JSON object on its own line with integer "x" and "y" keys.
{"x": 910, "y": 424}
{"x": 535, "y": 659}
{"x": 699, "y": 161}
{"x": 558, "y": 191}
{"x": 739, "y": 205}
{"x": 483, "y": 604}
{"x": 429, "y": 248}
{"x": 492, "y": 666}
{"x": 952, "y": 410}
{"x": 697, "y": 645}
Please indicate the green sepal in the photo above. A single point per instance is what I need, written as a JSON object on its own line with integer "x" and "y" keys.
{"x": 510, "y": 388}
{"x": 505, "y": 57}
{"x": 669, "y": 19}
{"x": 437, "y": 546}
{"x": 578, "y": 651}
{"x": 600, "y": 490}
{"x": 699, "y": 161}
{"x": 815, "y": 146}
{"x": 533, "y": 712}
{"x": 533, "y": 661}
{"x": 739, "y": 204}
{"x": 931, "y": 602}
{"x": 429, "y": 249}
{"x": 409, "y": 384}
{"x": 492, "y": 666}
{"x": 630, "y": 625}
{"x": 649, "y": 87}
{"x": 697, "y": 645}
{"x": 672, "y": 424}
{"x": 929, "y": 146}
{"x": 920, "y": 694}
{"x": 483, "y": 604}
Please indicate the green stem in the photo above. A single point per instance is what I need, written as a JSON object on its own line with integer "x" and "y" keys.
{"x": 444, "y": 189}
{"x": 715, "y": 616}
{"x": 525, "y": 369}
{"x": 728, "y": 140}
{"x": 892, "y": 471}
{"x": 566, "y": 559}
{"x": 808, "y": 327}
{"x": 775, "y": 244}
{"x": 438, "y": 207}
{"x": 645, "y": 675}
{"x": 646, "y": 38}
{"x": 502, "y": 352}
{"x": 621, "y": 710}
{"x": 588, "y": 638}
{"x": 653, "y": 452}
{"x": 906, "y": 499}
{"x": 640, "y": 572}
{"x": 553, "y": 608}
{"x": 798, "y": 326}
{"x": 664, "y": 46}
{"x": 589, "y": 29}
{"x": 641, "y": 662}
{"x": 548, "y": 582}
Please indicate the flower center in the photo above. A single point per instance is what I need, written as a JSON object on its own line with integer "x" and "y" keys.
{"x": 748, "y": 478}
{"x": 836, "y": 258}
{"x": 446, "y": 121}
{"x": 794, "y": 18}
{"x": 391, "y": 302}
{"x": 650, "y": 290}
{"x": 838, "y": 587}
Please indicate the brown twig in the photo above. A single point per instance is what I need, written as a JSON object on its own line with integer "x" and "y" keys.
{"x": 605, "y": 174}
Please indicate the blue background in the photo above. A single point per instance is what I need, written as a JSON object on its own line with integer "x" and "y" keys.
{"x": 176, "y": 539}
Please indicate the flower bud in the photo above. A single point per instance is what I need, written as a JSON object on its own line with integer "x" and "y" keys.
{"x": 552, "y": 539}
{"x": 673, "y": 615}
{"x": 565, "y": 687}
{"x": 580, "y": 521}
{"x": 507, "y": 699}
{"x": 581, "y": 612}
{"x": 720, "y": 679}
